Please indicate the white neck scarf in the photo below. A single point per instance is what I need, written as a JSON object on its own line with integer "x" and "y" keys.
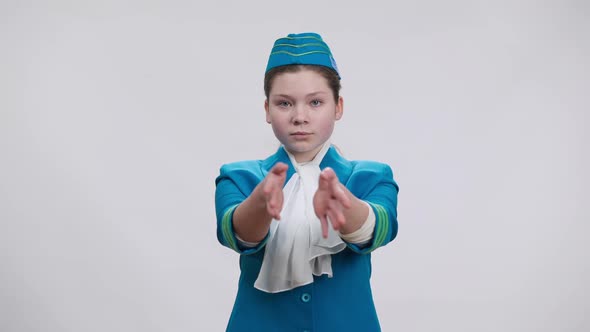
{"x": 296, "y": 250}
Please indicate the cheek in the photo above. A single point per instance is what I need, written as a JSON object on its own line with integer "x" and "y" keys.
{"x": 327, "y": 126}
{"x": 275, "y": 117}
{"x": 279, "y": 126}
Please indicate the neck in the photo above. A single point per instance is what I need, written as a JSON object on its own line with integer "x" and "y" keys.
{"x": 310, "y": 155}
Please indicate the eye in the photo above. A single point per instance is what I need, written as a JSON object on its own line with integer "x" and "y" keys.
{"x": 316, "y": 102}
{"x": 283, "y": 103}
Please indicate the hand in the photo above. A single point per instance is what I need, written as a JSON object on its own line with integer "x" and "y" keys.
{"x": 272, "y": 189}
{"x": 330, "y": 200}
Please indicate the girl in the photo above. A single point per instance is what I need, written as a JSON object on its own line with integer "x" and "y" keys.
{"x": 305, "y": 219}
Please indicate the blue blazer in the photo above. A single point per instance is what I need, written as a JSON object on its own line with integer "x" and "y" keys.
{"x": 341, "y": 303}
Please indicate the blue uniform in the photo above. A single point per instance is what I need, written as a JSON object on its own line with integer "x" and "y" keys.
{"x": 341, "y": 303}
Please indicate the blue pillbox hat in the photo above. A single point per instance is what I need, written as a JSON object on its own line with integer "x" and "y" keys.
{"x": 301, "y": 49}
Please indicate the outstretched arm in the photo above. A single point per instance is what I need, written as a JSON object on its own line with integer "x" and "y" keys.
{"x": 333, "y": 200}
{"x": 252, "y": 218}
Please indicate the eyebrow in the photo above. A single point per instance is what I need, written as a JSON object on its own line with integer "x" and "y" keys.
{"x": 308, "y": 95}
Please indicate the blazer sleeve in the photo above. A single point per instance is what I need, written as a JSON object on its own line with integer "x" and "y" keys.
{"x": 373, "y": 182}
{"x": 233, "y": 185}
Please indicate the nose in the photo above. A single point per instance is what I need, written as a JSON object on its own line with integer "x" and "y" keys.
{"x": 300, "y": 115}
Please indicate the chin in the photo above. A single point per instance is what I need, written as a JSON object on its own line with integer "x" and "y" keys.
{"x": 301, "y": 147}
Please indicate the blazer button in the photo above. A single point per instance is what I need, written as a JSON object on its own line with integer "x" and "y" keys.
{"x": 305, "y": 297}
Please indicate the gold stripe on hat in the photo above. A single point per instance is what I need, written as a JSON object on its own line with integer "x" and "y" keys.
{"x": 300, "y": 54}
{"x": 303, "y": 45}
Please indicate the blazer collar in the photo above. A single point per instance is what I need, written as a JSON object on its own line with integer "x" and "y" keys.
{"x": 341, "y": 166}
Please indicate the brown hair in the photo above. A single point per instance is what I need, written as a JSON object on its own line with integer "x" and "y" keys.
{"x": 328, "y": 73}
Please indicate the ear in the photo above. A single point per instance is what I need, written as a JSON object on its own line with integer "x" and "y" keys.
{"x": 339, "y": 108}
{"x": 266, "y": 111}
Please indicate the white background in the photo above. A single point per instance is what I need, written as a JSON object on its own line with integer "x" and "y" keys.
{"x": 115, "y": 117}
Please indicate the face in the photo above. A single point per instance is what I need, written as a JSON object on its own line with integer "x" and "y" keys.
{"x": 302, "y": 111}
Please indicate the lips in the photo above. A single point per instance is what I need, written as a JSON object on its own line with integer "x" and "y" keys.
{"x": 300, "y": 135}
